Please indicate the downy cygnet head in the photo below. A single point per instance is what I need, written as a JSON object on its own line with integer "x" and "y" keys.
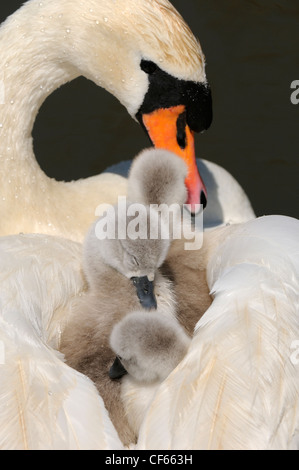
{"x": 148, "y": 346}
{"x": 138, "y": 259}
{"x": 158, "y": 176}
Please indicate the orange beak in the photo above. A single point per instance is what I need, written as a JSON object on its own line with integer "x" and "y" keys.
{"x": 168, "y": 129}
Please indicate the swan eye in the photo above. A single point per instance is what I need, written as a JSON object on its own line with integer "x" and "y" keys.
{"x": 148, "y": 66}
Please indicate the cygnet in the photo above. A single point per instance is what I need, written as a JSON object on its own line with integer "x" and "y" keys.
{"x": 157, "y": 177}
{"x": 122, "y": 275}
{"x": 148, "y": 347}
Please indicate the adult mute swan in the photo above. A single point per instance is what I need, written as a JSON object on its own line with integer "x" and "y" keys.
{"x": 141, "y": 52}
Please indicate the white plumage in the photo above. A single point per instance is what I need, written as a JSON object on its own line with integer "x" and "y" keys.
{"x": 46, "y": 44}
{"x": 44, "y": 404}
{"x": 238, "y": 387}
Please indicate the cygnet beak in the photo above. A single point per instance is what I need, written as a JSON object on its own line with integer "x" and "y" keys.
{"x": 145, "y": 292}
{"x": 117, "y": 370}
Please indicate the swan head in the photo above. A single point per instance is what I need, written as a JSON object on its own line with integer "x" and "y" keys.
{"x": 137, "y": 256}
{"x": 148, "y": 346}
{"x": 157, "y": 177}
{"x": 146, "y": 56}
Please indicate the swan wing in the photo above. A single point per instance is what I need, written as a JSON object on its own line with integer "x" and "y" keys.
{"x": 227, "y": 201}
{"x": 238, "y": 386}
{"x": 44, "y": 404}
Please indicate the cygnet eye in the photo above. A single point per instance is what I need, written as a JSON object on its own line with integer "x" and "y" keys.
{"x": 148, "y": 66}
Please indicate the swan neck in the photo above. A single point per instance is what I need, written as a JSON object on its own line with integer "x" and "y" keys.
{"x": 33, "y": 67}
{"x": 30, "y": 73}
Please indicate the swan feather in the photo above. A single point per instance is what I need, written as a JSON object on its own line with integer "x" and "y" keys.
{"x": 237, "y": 388}
{"x": 39, "y": 394}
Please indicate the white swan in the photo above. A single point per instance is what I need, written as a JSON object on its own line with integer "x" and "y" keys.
{"x": 159, "y": 78}
{"x": 33, "y": 306}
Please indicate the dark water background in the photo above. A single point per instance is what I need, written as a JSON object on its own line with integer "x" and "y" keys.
{"x": 252, "y": 51}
